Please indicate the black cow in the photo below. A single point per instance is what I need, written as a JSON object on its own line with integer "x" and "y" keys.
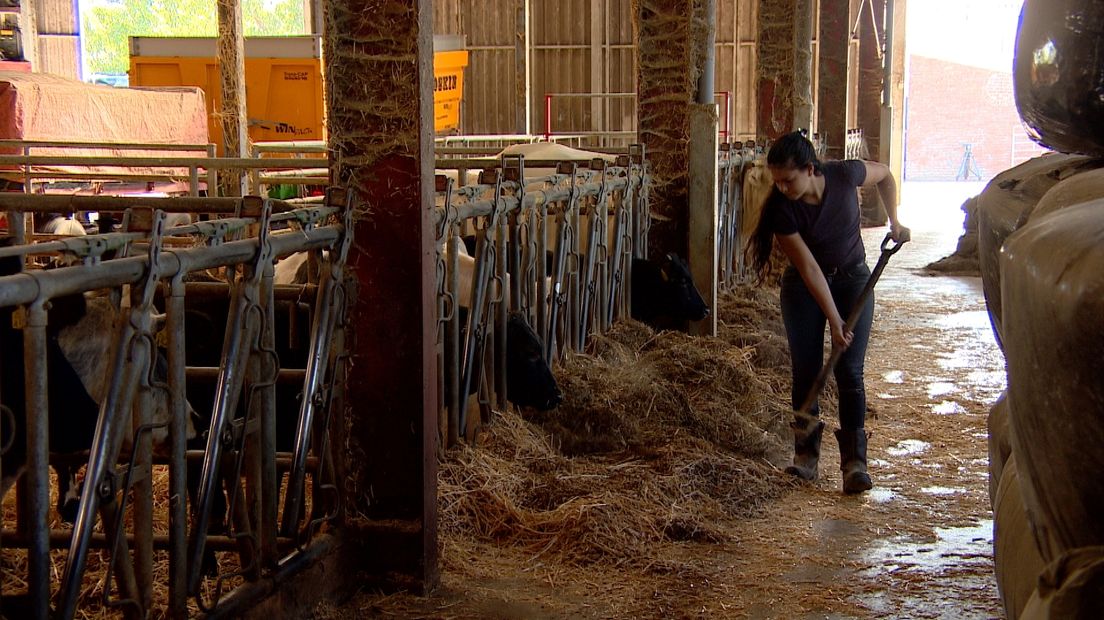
{"x": 529, "y": 380}
{"x": 663, "y": 293}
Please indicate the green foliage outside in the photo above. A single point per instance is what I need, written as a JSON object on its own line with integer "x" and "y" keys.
{"x": 106, "y": 26}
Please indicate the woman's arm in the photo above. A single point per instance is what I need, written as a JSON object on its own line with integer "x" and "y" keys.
{"x": 879, "y": 174}
{"x": 794, "y": 247}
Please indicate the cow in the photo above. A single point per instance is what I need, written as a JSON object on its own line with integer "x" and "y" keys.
{"x": 529, "y": 380}
{"x": 663, "y": 293}
{"x": 79, "y": 337}
{"x": 297, "y": 268}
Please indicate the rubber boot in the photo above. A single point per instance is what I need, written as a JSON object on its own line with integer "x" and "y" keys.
{"x": 807, "y": 436}
{"x": 852, "y": 446}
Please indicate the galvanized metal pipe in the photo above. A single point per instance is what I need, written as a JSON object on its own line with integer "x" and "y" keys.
{"x": 270, "y": 479}
{"x": 178, "y": 516}
{"x": 316, "y": 368}
{"x": 142, "y": 487}
{"x": 502, "y": 313}
{"x": 106, "y": 443}
{"x": 452, "y": 337}
{"x": 36, "y": 490}
{"x": 23, "y": 288}
{"x": 60, "y": 539}
{"x": 227, "y": 392}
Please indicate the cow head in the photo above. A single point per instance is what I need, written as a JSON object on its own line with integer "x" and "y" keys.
{"x": 529, "y": 380}
{"x": 684, "y": 301}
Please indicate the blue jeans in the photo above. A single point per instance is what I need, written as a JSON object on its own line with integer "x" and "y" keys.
{"x": 805, "y": 331}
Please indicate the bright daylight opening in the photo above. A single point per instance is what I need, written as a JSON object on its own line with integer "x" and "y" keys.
{"x": 961, "y": 123}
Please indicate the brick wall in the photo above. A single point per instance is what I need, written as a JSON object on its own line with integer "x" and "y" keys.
{"x": 950, "y": 105}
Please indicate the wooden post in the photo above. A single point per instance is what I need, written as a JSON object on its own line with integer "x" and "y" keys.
{"x": 870, "y": 73}
{"x": 803, "y": 33}
{"x": 667, "y": 75}
{"x": 893, "y": 113}
{"x": 235, "y": 122}
{"x": 521, "y": 65}
{"x": 835, "y": 39}
{"x": 28, "y": 29}
{"x": 871, "y": 32}
{"x": 703, "y": 212}
{"x": 776, "y": 68}
{"x": 379, "y": 63}
{"x": 702, "y": 160}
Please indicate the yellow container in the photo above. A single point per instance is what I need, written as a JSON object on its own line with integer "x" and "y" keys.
{"x": 448, "y": 89}
{"x": 283, "y": 81}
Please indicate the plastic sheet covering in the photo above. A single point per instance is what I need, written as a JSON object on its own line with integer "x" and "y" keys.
{"x": 1059, "y": 74}
{"x": 1000, "y": 444}
{"x": 1016, "y": 559}
{"x": 1053, "y": 291}
{"x": 1001, "y": 209}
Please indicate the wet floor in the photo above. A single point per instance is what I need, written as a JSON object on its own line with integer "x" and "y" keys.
{"x": 933, "y": 370}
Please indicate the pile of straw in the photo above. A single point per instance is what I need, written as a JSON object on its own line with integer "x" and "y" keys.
{"x": 661, "y": 438}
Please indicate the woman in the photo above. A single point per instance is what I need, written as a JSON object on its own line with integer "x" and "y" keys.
{"x": 813, "y": 212}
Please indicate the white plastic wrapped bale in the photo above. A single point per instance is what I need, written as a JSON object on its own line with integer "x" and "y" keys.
{"x": 1016, "y": 557}
{"x": 1002, "y": 207}
{"x": 1053, "y": 299}
{"x": 1000, "y": 444}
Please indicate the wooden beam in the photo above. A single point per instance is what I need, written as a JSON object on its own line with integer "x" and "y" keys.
{"x": 235, "y": 122}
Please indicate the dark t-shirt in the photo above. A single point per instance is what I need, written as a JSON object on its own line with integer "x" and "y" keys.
{"x": 830, "y": 229}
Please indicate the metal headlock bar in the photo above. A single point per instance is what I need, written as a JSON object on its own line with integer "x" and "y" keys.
{"x": 236, "y": 450}
{"x": 518, "y": 221}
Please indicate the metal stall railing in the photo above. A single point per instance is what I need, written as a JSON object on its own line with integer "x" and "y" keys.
{"x": 196, "y": 175}
{"x": 734, "y": 160}
{"x": 240, "y": 453}
{"x": 519, "y": 224}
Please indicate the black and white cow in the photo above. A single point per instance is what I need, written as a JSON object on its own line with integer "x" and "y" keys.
{"x": 79, "y": 339}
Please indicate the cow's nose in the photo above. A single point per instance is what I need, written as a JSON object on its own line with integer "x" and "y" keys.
{"x": 555, "y": 401}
